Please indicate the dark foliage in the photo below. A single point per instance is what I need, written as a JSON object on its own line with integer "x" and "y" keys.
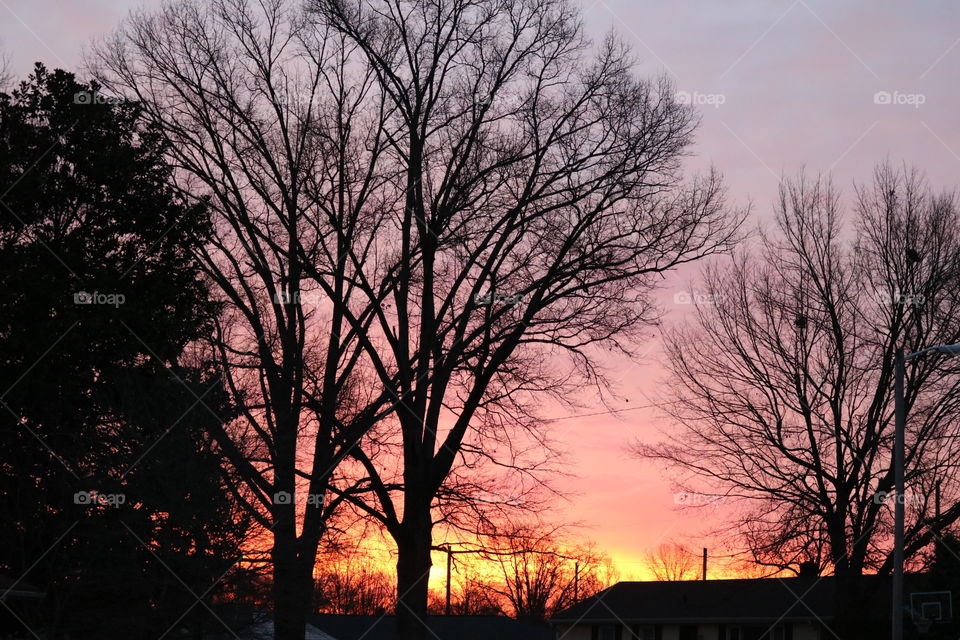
{"x": 112, "y": 497}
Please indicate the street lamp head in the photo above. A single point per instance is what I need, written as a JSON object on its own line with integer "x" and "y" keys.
{"x": 948, "y": 349}
{"x": 945, "y": 349}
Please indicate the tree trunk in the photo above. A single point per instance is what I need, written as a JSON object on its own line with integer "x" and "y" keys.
{"x": 413, "y": 574}
{"x": 844, "y": 604}
{"x": 292, "y": 590}
{"x": 856, "y": 615}
{"x": 853, "y": 615}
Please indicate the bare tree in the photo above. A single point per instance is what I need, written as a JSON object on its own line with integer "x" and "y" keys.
{"x": 477, "y": 199}
{"x": 348, "y": 585}
{"x": 6, "y": 75}
{"x": 540, "y": 570}
{"x": 540, "y": 199}
{"x": 470, "y": 596}
{"x": 269, "y": 123}
{"x": 672, "y": 562}
{"x": 783, "y": 388}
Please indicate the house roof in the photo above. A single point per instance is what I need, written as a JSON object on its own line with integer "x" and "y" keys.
{"x": 264, "y": 631}
{"x": 760, "y": 599}
{"x": 14, "y": 588}
{"x": 258, "y": 625}
{"x": 343, "y": 627}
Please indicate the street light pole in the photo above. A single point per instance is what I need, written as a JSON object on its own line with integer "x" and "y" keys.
{"x": 900, "y": 422}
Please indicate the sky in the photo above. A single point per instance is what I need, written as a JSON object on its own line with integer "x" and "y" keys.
{"x": 834, "y": 87}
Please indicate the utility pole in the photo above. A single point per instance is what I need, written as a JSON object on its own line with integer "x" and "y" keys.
{"x": 576, "y": 581}
{"x": 704, "y": 563}
{"x": 449, "y": 566}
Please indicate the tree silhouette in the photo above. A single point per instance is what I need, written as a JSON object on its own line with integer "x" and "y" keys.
{"x": 5, "y": 74}
{"x": 672, "y": 562}
{"x": 279, "y": 151}
{"x": 354, "y": 590}
{"x": 481, "y": 206}
{"x": 783, "y": 388}
{"x": 528, "y": 225}
{"x": 111, "y": 492}
{"x": 540, "y": 571}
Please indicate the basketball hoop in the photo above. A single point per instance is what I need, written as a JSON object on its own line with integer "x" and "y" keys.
{"x": 930, "y": 607}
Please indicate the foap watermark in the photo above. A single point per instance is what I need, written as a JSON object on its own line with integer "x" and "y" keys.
{"x": 488, "y": 497}
{"x": 898, "y": 98}
{"x": 504, "y": 102}
{"x": 696, "y": 297}
{"x": 898, "y": 298}
{"x": 96, "y": 297}
{"x": 892, "y": 497}
{"x": 700, "y": 99}
{"x": 295, "y": 98}
{"x": 313, "y": 499}
{"x": 310, "y": 298}
{"x": 95, "y": 97}
{"x": 96, "y": 498}
{"x": 486, "y": 299}
{"x": 696, "y": 499}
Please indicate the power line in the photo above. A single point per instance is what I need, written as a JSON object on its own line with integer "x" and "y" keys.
{"x": 611, "y": 411}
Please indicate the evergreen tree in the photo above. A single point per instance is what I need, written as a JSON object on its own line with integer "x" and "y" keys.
{"x": 113, "y": 499}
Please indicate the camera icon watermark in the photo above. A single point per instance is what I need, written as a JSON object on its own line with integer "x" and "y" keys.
{"x": 897, "y": 98}
{"x": 700, "y": 99}
{"x": 86, "y": 297}
{"x": 696, "y": 499}
{"x": 311, "y": 298}
{"x": 503, "y": 101}
{"x": 488, "y": 497}
{"x": 295, "y": 99}
{"x": 487, "y": 299}
{"x": 94, "y": 97}
{"x": 96, "y": 498}
{"x": 883, "y": 497}
{"x": 282, "y": 497}
{"x": 686, "y": 297}
{"x": 898, "y": 298}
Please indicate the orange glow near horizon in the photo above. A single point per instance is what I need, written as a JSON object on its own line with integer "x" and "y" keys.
{"x": 627, "y": 567}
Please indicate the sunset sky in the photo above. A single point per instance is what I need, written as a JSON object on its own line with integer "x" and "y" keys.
{"x": 834, "y": 87}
